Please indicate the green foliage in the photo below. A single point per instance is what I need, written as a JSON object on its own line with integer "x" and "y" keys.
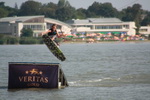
{"x": 94, "y": 7}
{"x": 133, "y": 14}
{"x": 146, "y": 20}
{"x": 49, "y": 10}
{"x": 149, "y": 37}
{"x": 81, "y": 13}
{"x": 27, "y": 40}
{"x": 16, "y": 6}
{"x": 2, "y": 4}
{"x": 12, "y": 40}
{"x": 65, "y": 13}
{"x": 4, "y": 39}
{"x": 30, "y": 8}
{"x": 3, "y": 13}
{"x": 61, "y": 3}
{"x": 26, "y": 32}
{"x": 7, "y": 11}
{"x": 105, "y": 9}
{"x": 30, "y": 40}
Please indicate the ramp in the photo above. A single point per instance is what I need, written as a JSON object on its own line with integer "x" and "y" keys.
{"x": 36, "y": 75}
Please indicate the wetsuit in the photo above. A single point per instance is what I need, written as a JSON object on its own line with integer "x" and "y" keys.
{"x": 52, "y": 33}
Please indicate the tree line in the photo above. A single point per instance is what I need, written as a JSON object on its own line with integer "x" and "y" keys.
{"x": 64, "y": 11}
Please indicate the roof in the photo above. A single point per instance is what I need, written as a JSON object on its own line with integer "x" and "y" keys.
{"x": 56, "y": 22}
{"x": 104, "y": 20}
{"x": 25, "y": 18}
{"x": 78, "y": 21}
{"x": 18, "y": 18}
{"x": 94, "y": 20}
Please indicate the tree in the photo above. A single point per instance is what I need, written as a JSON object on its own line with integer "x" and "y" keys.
{"x": 105, "y": 10}
{"x": 67, "y": 4}
{"x": 61, "y": 3}
{"x": 149, "y": 37}
{"x": 26, "y": 32}
{"x": 133, "y": 14}
{"x": 127, "y": 14}
{"x": 16, "y": 6}
{"x": 12, "y": 11}
{"x": 30, "y": 8}
{"x": 51, "y": 5}
{"x": 2, "y": 4}
{"x": 65, "y": 13}
{"x": 146, "y": 20}
{"x": 3, "y": 13}
{"x": 137, "y": 12}
{"x": 81, "y": 13}
{"x": 49, "y": 10}
{"x": 94, "y": 8}
{"x": 6, "y": 10}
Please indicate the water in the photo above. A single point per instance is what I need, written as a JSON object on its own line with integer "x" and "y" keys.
{"x": 98, "y": 71}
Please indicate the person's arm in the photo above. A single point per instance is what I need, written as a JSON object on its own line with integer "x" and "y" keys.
{"x": 58, "y": 35}
{"x": 61, "y": 35}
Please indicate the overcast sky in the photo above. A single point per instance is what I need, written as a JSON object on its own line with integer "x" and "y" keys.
{"x": 119, "y": 4}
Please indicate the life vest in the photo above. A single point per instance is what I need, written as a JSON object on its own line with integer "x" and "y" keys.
{"x": 52, "y": 32}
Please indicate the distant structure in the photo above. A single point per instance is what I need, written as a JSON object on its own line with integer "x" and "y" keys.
{"x": 103, "y": 25}
{"x": 14, "y": 25}
{"x": 145, "y": 30}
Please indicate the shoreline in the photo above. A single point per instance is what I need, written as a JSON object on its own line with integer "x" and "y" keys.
{"x": 81, "y": 42}
{"x": 136, "y": 41}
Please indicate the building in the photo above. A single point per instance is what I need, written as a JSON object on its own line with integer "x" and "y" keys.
{"x": 103, "y": 25}
{"x": 14, "y": 25}
{"x": 145, "y": 30}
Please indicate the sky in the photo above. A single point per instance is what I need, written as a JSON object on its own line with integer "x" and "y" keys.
{"x": 119, "y": 4}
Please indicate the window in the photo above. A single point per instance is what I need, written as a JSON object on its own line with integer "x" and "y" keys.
{"x": 15, "y": 29}
{"x": 90, "y": 26}
{"x": 26, "y": 26}
{"x": 126, "y": 26}
{"x": 108, "y": 27}
{"x": 143, "y": 30}
{"x": 98, "y": 27}
{"x": 118, "y": 26}
{"x": 34, "y": 27}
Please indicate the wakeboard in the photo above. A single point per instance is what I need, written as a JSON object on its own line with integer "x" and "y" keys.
{"x": 52, "y": 46}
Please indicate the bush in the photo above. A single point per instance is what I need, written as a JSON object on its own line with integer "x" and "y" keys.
{"x": 40, "y": 41}
{"x": 27, "y": 40}
{"x": 27, "y": 32}
{"x": 149, "y": 37}
{"x": 2, "y": 41}
{"x": 12, "y": 40}
{"x": 5, "y": 39}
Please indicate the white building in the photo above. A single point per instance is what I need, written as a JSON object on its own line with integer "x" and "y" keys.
{"x": 103, "y": 25}
{"x": 14, "y": 25}
{"x": 145, "y": 30}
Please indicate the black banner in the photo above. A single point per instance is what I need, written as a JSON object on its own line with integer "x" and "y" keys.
{"x": 31, "y": 75}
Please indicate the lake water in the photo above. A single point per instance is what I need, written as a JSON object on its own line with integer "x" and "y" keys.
{"x": 98, "y": 71}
